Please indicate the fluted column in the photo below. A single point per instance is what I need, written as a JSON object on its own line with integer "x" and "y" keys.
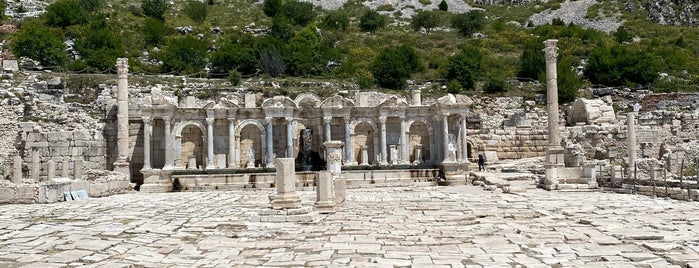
{"x": 445, "y": 137}
{"x": 464, "y": 139}
{"x": 348, "y": 144}
{"x": 382, "y": 140}
{"x": 147, "y": 133}
{"x": 169, "y": 157}
{"x": 326, "y": 123}
{"x": 122, "y": 164}
{"x": 290, "y": 137}
{"x": 209, "y": 143}
{"x": 404, "y": 147}
{"x": 551, "y": 53}
{"x": 231, "y": 142}
{"x": 270, "y": 143}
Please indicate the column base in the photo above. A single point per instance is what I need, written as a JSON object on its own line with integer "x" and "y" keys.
{"x": 454, "y": 173}
{"x": 325, "y": 206}
{"x": 123, "y": 168}
{"x": 286, "y": 201}
{"x": 156, "y": 181}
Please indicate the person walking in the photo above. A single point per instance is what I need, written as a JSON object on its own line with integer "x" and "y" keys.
{"x": 481, "y": 162}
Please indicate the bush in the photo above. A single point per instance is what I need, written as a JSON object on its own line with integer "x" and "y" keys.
{"x": 184, "y": 55}
{"x": 155, "y": 31}
{"x": 299, "y": 13}
{"x": 196, "y": 11}
{"x": 271, "y": 7}
{"x": 64, "y": 13}
{"x": 468, "y": 23}
{"x": 568, "y": 82}
{"x": 91, "y": 6}
{"x": 155, "y": 8}
{"x": 100, "y": 46}
{"x": 443, "y": 6}
{"x": 336, "y": 20}
{"x": 371, "y": 21}
{"x": 454, "y": 87}
{"x": 619, "y": 66}
{"x": 532, "y": 63}
{"x": 235, "y": 77}
{"x": 394, "y": 65}
{"x": 237, "y": 53}
{"x": 425, "y": 19}
{"x": 41, "y": 43}
{"x": 623, "y": 35}
{"x": 465, "y": 67}
{"x": 304, "y": 57}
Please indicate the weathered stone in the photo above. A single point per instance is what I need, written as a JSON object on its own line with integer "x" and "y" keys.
{"x": 286, "y": 185}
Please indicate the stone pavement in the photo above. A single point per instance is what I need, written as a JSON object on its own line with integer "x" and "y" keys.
{"x": 457, "y": 226}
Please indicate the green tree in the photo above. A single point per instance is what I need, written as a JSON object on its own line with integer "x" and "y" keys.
{"x": 91, "y": 6}
{"x": 155, "y": 31}
{"x": 64, "y": 13}
{"x": 196, "y": 11}
{"x": 184, "y": 55}
{"x": 305, "y": 57}
{"x": 532, "y": 63}
{"x": 336, "y": 20}
{"x": 235, "y": 77}
{"x": 568, "y": 81}
{"x": 100, "y": 45}
{"x": 272, "y": 52}
{"x": 36, "y": 41}
{"x": 468, "y": 23}
{"x": 299, "y": 13}
{"x": 425, "y": 19}
{"x": 394, "y": 65}
{"x": 619, "y": 66}
{"x": 155, "y": 8}
{"x": 271, "y": 7}
{"x": 465, "y": 67}
{"x": 443, "y": 6}
{"x": 371, "y": 21}
{"x": 238, "y": 53}
{"x": 282, "y": 28}
{"x": 3, "y": 5}
{"x": 623, "y": 35}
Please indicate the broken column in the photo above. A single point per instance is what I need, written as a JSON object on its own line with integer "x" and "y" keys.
{"x": 17, "y": 169}
{"x": 64, "y": 168}
{"x": 325, "y": 202}
{"x": 631, "y": 138}
{"x": 122, "y": 164}
{"x": 416, "y": 100}
{"x": 554, "y": 155}
{"x": 286, "y": 185}
{"x": 36, "y": 165}
{"x": 333, "y": 152}
{"x": 50, "y": 170}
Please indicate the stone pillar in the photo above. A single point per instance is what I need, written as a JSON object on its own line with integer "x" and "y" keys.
{"x": 270, "y": 143}
{"x": 551, "y": 53}
{"x": 78, "y": 169}
{"x": 209, "y": 143}
{"x": 285, "y": 181}
{"x": 147, "y": 133}
{"x": 365, "y": 155}
{"x": 36, "y": 165}
{"x": 325, "y": 201}
{"x": 416, "y": 99}
{"x": 326, "y": 123}
{"x": 231, "y": 143}
{"x": 17, "y": 169}
{"x": 382, "y": 140}
{"x": 404, "y": 143}
{"x": 50, "y": 170}
{"x": 65, "y": 172}
{"x": 122, "y": 164}
{"x": 290, "y": 137}
{"x": 333, "y": 152}
{"x": 169, "y": 148}
{"x": 445, "y": 137}
{"x": 349, "y": 159}
{"x": 464, "y": 139}
{"x": 631, "y": 138}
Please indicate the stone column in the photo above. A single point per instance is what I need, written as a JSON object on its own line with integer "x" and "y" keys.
{"x": 382, "y": 140}
{"x": 416, "y": 99}
{"x": 325, "y": 201}
{"x": 17, "y": 169}
{"x": 50, "y": 170}
{"x": 231, "y": 143}
{"x": 418, "y": 154}
{"x": 365, "y": 155}
{"x": 326, "y": 123}
{"x": 631, "y": 138}
{"x": 349, "y": 159}
{"x": 122, "y": 164}
{"x": 464, "y": 139}
{"x": 36, "y": 165}
{"x": 404, "y": 143}
{"x": 169, "y": 157}
{"x": 551, "y": 53}
{"x": 285, "y": 181}
{"x": 270, "y": 143}
{"x": 209, "y": 143}
{"x": 65, "y": 172}
{"x": 147, "y": 133}
{"x": 78, "y": 169}
{"x": 445, "y": 137}
{"x": 290, "y": 137}
{"x": 333, "y": 152}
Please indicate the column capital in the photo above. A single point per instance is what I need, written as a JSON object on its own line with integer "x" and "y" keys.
{"x": 290, "y": 120}
{"x": 231, "y": 120}
{"x": 122, "y": 65}
{"x": 382, "y": 119}
{"x": 209, "y": 121}
{"x": 268, "y": 119}
{"x": 166, "y": 118}
{"x": 445, "y": 115}
{"x": 402, "y": 117}
{"x": 327, "y": 119}
{"x": 147, "y": 120}
{"x": 347, "y": 118}
{"x": 550, "y": 50}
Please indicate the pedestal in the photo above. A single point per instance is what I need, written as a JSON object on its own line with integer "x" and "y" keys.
{"x": 192, "y": 162}
{"x": 123, "y": 168}
{"x": 156, "y": 181}
{"x": 418, "y": 155}
{"x": 365, "y": 155}
{"x": 286, "y": 185}
{"x": 325, "y": 201}
{"x": 333, "y": 156}
{"x": 394, "y": 154}
{"x": 455, "y": 173}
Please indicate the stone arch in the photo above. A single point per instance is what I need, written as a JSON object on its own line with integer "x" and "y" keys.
{"x": 250, "y": 133}
{"x": 190, "y": 138}
{"x": 364, "y": 133}
{"x": 307, "y": 97}
{"x": 419, "y": 135}
{"x": 471, "y": 151}
{"x": 356, "y": 122}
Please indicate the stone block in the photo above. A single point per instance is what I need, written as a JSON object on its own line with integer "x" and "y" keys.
{"x": 285, "y": 181}
{"x": 325, "y": 201}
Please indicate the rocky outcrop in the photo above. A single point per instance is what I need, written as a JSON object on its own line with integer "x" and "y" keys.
{"x": 674, "y": 12}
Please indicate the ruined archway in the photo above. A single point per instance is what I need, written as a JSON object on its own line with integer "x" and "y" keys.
{"x": 419, "y": 136}
{"x": 364, "y": 136}
{"x": 192, "y": 146}
{"x": 250, "y": 138}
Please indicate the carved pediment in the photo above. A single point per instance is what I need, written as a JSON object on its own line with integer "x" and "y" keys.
{"x": 279, "y": 106}
{"x": 307, "y": 100}
{"x": 337, "y": 102}
{"x": 224, "y": 103}
{"x": 394, "y": 102}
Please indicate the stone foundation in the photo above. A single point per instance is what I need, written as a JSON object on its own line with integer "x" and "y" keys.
{"x": 52, "y": 191}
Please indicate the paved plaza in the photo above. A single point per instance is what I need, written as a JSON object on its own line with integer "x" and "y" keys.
{"x": 458, "y": 226}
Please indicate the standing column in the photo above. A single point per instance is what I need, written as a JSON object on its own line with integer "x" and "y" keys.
{"x": 551, "y": 53}
{"x": 122, "y": 164}
{"x": 169, "y": 160}
{"x": 382, "y": 140}
{"x": 231, "y": 142}
{"x": 147, "y": 132}
{"x": 270, "y": 143}
{"x": 326, "y": 122}
{"x": 17, "y": 169}
{"x": 36, "y": 165}
{"x": 290, "y": 137}
{"x": 631, "y": 137}
{"x": 404, "y": 144}
{"x": 445, "y": 137}
{"x": 348, "y": 145}
{"x": 464, "y": 139}
{"x": 209, "y": 143}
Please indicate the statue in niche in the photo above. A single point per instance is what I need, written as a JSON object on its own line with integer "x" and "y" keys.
{"x": 251, "y": 157}
{"x": 452, "y": 147}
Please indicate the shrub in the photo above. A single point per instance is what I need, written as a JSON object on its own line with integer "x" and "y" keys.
{"x": 155, "y": 8}
{"x": 271, "y": 7}
{"x": 468, "y": 23}
{"x": 619, "y": 65}
{"x": 454, "y": 87}
{"x": 196, "y": 11}
{"x": 336, "y": 20}
{"x": 235, "y": 77}
{"x": 236, "y": 53}
{"x": 443, "y": 6}
{"x": 155, "y": 31}
{"x": 184, "y": 55}
{"x": 465, "y": 67}
{"x": 100, "y": 46}
{"x": 394, "y": 65}
{"x": 532, "y": 63}
{"x": 495, "y": 84}
{"x": 64, "y": 13}
{"x": 371, "y": 21}
{"x": 425, "y": 19}
{"x": 299, "y": 13}
{"x": 38, "y": 42}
